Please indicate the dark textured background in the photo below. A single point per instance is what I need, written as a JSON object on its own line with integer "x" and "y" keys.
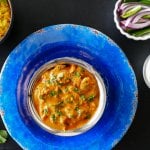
{"x": 31, "y": 15}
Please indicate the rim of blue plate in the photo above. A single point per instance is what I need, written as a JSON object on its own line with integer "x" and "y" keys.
{"x": 82, "y": 38}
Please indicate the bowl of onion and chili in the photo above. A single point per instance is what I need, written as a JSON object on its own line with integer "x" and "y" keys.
{"x": 6, "y": 17}
{"x": 132, "y": 18}
{"x": 67, "y": 96}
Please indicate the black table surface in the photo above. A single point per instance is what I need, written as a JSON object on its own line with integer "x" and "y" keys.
{"x": 31, "y": 15}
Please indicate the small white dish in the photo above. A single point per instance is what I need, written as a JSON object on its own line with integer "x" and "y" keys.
{"x": 146, "y": 71}
{"x": 117, "y": 19}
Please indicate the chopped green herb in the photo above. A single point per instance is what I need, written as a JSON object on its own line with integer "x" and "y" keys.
{"x": 53, "y": 117}
{"x": 91, "y": 98}
{"x": 59, "y": 91}
{"x": 76, "y": 89}
{"x": 59, "y": 113}
{"x": 49, "y": 82}
{"x": 53, "y": 93}
{"x": 82, "y": 69}
{"x": 41, "y": 97}
{"x": 77, "y": 74}
{"x": 82, "y": 97}
{"x": 45, "y": 110}
{"x": 52, "y": 78}
{"x": 77, "y": 108}
{"x": 88, "y": 116}
{"x": 66, "y": 89}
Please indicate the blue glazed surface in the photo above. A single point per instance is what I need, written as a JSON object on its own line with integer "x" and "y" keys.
{"x": 68, "y": 41}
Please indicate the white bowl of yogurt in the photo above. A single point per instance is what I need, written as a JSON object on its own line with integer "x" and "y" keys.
{"x": 146, "y": 71}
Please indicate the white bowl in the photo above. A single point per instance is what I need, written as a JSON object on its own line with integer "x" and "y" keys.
{"x": 146, "y": 71}
{"x": 117, "y": 19}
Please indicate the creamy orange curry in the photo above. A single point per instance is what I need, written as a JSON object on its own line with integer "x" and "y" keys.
{"x": 66, "y": 96}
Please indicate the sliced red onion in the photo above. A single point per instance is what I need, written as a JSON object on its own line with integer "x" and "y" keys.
{"x": 127, "y": 21}
{"x": 137, "y": 16}
{"x": 124, "y": 6}
{"x": 140, "y": 15}
{"x": 123, "y": 27}
{"x": 127, "y": 6}
{"x": 142, "y": 20}
{"x": 135, "y": 26}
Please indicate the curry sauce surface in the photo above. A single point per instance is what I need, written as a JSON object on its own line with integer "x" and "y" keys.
{"x": 65, "y": 96}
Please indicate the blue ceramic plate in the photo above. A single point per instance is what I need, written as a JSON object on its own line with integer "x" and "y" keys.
{"x": 79, "y": 42}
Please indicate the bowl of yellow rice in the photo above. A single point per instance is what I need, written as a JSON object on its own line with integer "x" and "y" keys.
{"x": 5, "y": 18}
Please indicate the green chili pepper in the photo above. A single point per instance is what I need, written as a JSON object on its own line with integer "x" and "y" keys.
{"x": 131, "y": 12}
{"x": 125, "y": 1}
{"x": 141, "y": 32}
{"x": 147, "y": 2}
{"x": 146, "y": 17}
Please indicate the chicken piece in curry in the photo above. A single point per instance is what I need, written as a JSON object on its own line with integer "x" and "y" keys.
{"x": 66, "y": 96}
